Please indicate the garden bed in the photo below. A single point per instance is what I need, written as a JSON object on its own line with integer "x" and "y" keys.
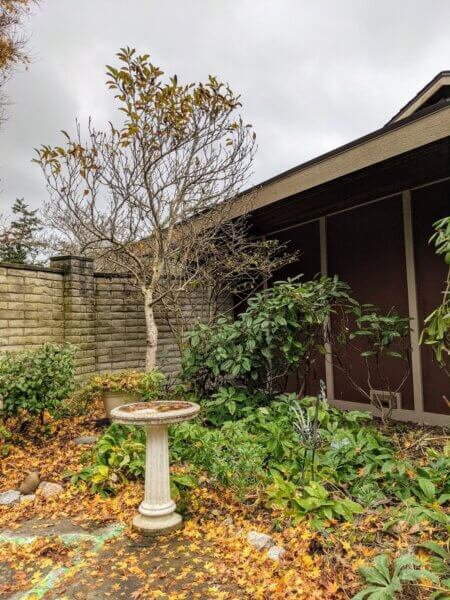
{"x": 212, "y": 556}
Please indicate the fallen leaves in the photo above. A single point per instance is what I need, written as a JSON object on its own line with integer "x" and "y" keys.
{"x": 209, "y": 558}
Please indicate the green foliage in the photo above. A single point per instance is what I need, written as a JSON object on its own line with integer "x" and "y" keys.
{"x": 280, "y": 332}
{"x": 313, "y": 498}
{"x": 231, "y": 456}
{"x": 17, "y": 241}
{"x": 227, "y": 403}
{"x": 385, "y": 582}
{"x": 437, "y": 325}
{"x": 119, "y": 455}
{"x": 151, "y": 385}
{"x": 439, "y": 558}
{"x": 411, "y": 513}
{"x": 263, "y": 453}
{"x": 5, "y": 436}
{"x": 379, "y": 331}
{"x": 38, "y": 380}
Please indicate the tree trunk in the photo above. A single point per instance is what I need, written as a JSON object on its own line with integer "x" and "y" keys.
{"x": 152, "y": 331}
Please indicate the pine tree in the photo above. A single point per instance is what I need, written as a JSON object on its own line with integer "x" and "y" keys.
{"x": 17, "y": 242}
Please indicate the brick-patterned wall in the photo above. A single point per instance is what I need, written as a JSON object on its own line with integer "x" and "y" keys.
{"x": 102, "y": 314}
{"x": 31, "y": 307}
{"x": 120, "y": 325}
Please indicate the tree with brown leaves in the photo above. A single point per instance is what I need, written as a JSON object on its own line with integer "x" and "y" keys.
{"x": 12, "y": 40}
{"x": 154, "y": 193}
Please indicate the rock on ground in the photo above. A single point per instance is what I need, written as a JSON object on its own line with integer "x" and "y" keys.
{"x": 276, "y": 552}
{"x": 260, "y": 540}
{"x": 9, "y": 498}
{"x": 49, "y": 489}
{"x": 30, "y": 483}
{"x": 28, "y": 498}
{"x": 85, "y": 440}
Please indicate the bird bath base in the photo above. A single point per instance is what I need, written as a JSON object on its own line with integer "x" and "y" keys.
{"x": 157, "y": 525}
{"x": 157, "y": 511}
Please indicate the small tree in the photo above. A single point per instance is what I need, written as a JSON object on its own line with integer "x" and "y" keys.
{"x": 377, "y": 339}
{"x": 18, "y": 242}
{"x": 137, "y": 189}
{"x": 229, "y": 266}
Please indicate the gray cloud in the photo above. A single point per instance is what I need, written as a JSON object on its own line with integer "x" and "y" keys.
{"x": 313, "y": 75}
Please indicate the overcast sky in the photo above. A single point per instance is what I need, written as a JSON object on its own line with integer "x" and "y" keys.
{"x": 313, "y": 74}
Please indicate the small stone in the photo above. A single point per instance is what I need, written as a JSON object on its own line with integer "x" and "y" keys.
{"x": 30, "y": 483}
{"x": 28, "y": 498}
{"x": 260, "y": 540}
{"x": 86, "y": 440}
{"x": 9, "y": 498}
{"x": 49, "y": 489}
{"x": 275, "y": 553}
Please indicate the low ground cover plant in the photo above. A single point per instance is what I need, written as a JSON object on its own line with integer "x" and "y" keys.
{"x": 259, "y": 454}
{"x": 386, "y": 581}
{"x": 355, "y": 465}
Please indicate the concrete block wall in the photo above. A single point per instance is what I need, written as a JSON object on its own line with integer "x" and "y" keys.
{"x": 120, "y": 324}
{"x": 31, "y": 306}
{"x": 101, "y": 314}
{"x": 79, "y": 308}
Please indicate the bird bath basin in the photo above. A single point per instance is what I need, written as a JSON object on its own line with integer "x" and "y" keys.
{"x": 157, "y": 510}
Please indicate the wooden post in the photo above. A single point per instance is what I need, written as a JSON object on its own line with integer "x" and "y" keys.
{"x": 416, "y": 362}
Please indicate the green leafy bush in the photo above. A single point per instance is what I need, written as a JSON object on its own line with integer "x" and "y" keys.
{"x": 227, "y": 403}
{"x": 37, "y": 380}
{"x": 280, "y": 332}
{"x": 230, "y": 456}
{"x": 118, "y": 457}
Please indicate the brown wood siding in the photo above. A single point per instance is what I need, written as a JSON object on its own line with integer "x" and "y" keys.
{"x": 366, "y": 249}
{"x": 426, "y": 164}
{"x": 428, "y": 205}
{"x": 305, "y": 239}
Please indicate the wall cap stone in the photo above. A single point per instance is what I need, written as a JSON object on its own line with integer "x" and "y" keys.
{"x": 107, "y": 275}
{"x": 27, "y": 267}
{"x": 72, "y": 257}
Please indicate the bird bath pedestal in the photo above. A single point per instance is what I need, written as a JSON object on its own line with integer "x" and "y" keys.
{"x": 157, "y": 510}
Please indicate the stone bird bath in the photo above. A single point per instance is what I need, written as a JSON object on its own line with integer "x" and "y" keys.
{"x": 157, "y": 510}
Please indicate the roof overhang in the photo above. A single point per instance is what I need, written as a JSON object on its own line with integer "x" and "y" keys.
{"x": 401, "y": 136}
{"x": 420, "y": 100}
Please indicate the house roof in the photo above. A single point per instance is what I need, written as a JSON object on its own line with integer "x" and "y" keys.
{"x": 425, "y": 119}
{"x": 436, "y": 90}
